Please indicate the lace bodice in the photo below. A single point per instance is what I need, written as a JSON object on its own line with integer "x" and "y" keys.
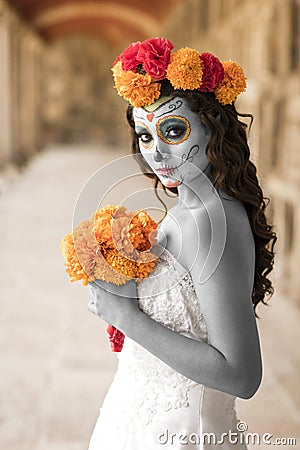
{"x": 167, "y": 296}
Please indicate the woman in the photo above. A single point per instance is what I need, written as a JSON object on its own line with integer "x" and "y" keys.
{"x": 192, "y": 344}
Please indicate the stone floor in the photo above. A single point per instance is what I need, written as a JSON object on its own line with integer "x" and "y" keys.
{"x": 56, "y": 364}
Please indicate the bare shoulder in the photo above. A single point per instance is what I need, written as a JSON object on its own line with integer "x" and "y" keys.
{"x": 239, "y": 249}
{"x": 221, "y": 228}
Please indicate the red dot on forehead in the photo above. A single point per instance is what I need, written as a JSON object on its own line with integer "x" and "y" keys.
{"x": 150, "y": 117}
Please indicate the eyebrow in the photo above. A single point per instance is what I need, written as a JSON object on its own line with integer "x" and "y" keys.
{"x": 171, "y": 107}
{"x": 172, "y": 118}
{"x": 141, "y": 127}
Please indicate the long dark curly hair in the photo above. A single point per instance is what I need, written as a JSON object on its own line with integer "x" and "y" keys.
{"x": 229, "y": 156}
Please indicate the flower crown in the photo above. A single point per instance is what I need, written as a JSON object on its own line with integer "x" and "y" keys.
{"x": 138, "y": 70}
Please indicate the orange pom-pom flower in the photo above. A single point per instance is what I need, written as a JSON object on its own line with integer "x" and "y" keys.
{"x": 137, "y": 88}
{"x": 233, "y": 83}
{"x": 185, "y": 69}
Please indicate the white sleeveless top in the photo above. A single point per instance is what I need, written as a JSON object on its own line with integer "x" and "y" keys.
{"x": 151, "y": 406}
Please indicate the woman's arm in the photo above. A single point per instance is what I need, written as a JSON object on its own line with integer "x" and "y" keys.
{"x": 196, "y": 360}
{"x": 231, "y": 361}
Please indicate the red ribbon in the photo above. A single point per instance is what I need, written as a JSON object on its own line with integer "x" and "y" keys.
{"x": 116, "y": 338}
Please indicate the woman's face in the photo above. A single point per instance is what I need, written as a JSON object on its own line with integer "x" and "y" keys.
{"x": 172, "y": 140}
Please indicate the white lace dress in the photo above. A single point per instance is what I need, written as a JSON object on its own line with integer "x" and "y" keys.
{"x": 149, "y": 405}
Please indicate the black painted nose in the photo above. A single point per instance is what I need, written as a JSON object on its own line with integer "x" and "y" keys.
{"x": 157, "y": 156}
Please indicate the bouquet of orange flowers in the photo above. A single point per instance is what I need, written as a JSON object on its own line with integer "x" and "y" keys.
{"x": 113, "y": 245}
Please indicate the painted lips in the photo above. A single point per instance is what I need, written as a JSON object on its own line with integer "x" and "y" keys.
{"x": 167, "y": 171}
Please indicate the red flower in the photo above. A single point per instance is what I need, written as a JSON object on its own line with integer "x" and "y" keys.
{"x": 154, "y": 54}
{"x": 213, "y": 72}
{"x": 129, "y": 57}
{"x": 116, "y": 338}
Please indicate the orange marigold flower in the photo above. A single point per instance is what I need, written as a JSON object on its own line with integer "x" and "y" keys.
{"x": 142, "y": 226}
{"x": 120, "y": 231}
{"x": 103, "y": 219}
{"x": 185, "y": 69}
{"x": 144, "y": 95}
{"x": 233, "y": 83}
{"x": 109, "y": 270}
{"x": 121, "y": 264}
{"x": 145, "y": 268}
{"x": 85, "y": 246}
{"x": 137, "y": 88}
{"x": 73, "y": 265}
{"x": 112, "y": 246}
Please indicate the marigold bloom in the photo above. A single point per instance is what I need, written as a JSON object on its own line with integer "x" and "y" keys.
{"x": 113, "y": 245}
{"x": 185, "y": 69}
{"x": 137, "y": 88}
{"x": 121, "y": 264}
{"x": 144, "y": 95}
{"x": 141, "y": 227}
{"x": 233, "y": 84}
{"x": 73, "y": 266}
{"x": 140, "y": 68}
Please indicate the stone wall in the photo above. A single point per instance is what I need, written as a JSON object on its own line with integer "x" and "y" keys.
{"x": 20, "y": 78}
{"x": 51, "y": 94}
{"x": 79, "y": 103}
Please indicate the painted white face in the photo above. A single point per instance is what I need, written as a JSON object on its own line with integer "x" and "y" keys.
{"x": 172, "y": 140}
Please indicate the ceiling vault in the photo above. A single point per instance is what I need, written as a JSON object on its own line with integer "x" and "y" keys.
{"x": 115, "y": 22}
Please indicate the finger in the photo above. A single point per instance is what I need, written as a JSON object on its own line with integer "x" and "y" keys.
{"x": 92, "y": 307}
{"x": 91, "y": 291}
{"x": 92, "y": 285}
{"x": 95, "y": 285}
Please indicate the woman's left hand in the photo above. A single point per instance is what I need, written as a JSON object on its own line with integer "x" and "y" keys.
{"x": 114, "y": 304}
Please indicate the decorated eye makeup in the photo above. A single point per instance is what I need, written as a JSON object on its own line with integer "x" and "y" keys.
{"x": 144, "y": 135}
{"x": 173, "y": 129}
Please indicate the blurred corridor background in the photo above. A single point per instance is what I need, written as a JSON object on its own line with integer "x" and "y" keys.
{"x": 61, "y": 120}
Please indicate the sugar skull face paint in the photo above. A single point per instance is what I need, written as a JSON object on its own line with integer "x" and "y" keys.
{"x": 172, "y": 140}
{"x": 173, "y": 129}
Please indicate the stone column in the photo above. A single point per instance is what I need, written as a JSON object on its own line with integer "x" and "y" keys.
{"x": 5, "y": 112}
{"x": 20, "y": 90}
{"x": 28, "y": 96}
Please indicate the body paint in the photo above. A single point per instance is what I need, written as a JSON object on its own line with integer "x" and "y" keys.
{"x": 177, "y": 139}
